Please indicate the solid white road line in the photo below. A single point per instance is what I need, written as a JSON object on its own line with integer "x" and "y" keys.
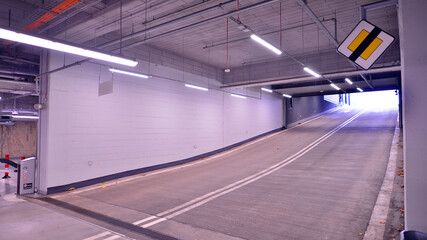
{"x": 173, "y": 212}
{"x": 145, "y": 220}
{"x": 103, "y": 234}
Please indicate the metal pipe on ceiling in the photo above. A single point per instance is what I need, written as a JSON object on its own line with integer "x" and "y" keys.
{"x": 275, "y": 81}
{"x": 165, "y": 24}
{"x": 246, "y": 27}
{"x": 15, "y": 59}
{"x": 313, "y": 16}
{"x": 264, "y": 34}
{"x": 140, "y": 33}
{"x": 65, "y": 67}
{"x": 18, "y": 72}
{"x": 264, "y": 3}
{"x": 209, "y": 20}
{"x": 20, "y": 84}
{"x": 300, "y": 55}
{"x": 159, "y": 17}
{"x": 34, "y": 94}
{"x": 13, "y": 77}
{"x": 366, "y": 80}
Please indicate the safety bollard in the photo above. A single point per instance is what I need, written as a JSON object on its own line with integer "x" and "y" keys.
{"x": 6, "y": 166}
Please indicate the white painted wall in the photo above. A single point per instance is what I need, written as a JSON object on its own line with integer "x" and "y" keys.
{"x": 144, "y": 122}
{"x": 413, "y": 35}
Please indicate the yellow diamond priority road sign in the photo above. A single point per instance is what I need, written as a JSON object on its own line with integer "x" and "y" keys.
{"x": 365, "y": 44}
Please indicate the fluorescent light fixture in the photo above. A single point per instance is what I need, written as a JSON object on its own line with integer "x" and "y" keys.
{"x": 196, "y": 87}
{"x": 335, "y": 86}
{"x": 359, "y": 89}
{"x": 24, "y": 117}
{"x": 311, "y": 72}
{"x": 267, "y": 90}
{"x": 129, "y": 73}
{"x": 266, "y": 44}
{"x": 238, "y": 96}
{"x": 287, "y": 96}
{"x": 348, "y": 81}
{"x": 49, "y": 44}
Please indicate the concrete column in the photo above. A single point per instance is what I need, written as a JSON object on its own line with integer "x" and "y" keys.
{"x": 41, "y": 167}
{"x": 413, "y": 48}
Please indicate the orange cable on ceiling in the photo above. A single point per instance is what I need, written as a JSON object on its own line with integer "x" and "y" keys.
{"x": 52, "y": 14}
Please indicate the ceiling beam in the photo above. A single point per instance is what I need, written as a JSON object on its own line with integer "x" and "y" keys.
{"x": 333, "y": 92}
{"x": 324, "y": 83}
{"x": 277, "y": 81}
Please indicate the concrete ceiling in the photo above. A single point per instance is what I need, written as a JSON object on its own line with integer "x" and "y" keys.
{"x": 96, "y": 22}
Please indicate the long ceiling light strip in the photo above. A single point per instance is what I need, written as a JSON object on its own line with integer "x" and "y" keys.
{"x": 335, "y": 86}
{"x": 48, "y": 44}
{"x": 287, "y": 96}
{"x": 359, "y": 89}
{"x": 196, "y": 87}
{"x": 348, "y": 81}
{"x": 129, "y": 73}
{"x": 267, "y": 90}
{"x": 266, "y": 44}
{"x": 238, "y": 96}
{"x": 315, "y": 74}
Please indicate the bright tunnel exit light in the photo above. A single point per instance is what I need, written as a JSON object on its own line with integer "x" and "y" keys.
{"x": 359, "y": 89}
{"x": 335, "y": 86}
{"x": 129, "y": 73}
{"x": 311, "y": 72}
{"x": 287, "y": 96}
{"x": 57, "y": 46}
{"x": 267, "y": 90}
{"x": 348, "y": 81}
{"x": 238, "y": 96}
{"x": 266, "y": 44}
{"x": 375, "y": 100}
{"x": 196, "y": 87}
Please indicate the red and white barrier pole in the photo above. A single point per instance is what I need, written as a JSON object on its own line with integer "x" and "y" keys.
{"x": 6, "y": 166}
